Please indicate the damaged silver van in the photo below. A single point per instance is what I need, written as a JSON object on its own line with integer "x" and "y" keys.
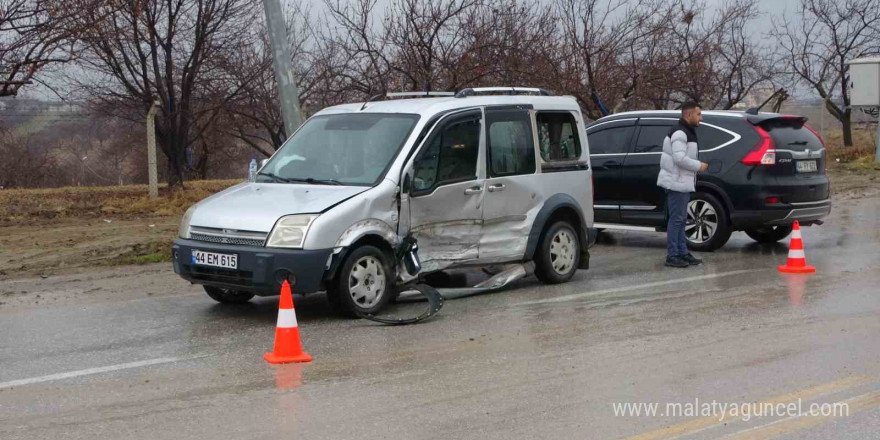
{"x": 367, "y": 197}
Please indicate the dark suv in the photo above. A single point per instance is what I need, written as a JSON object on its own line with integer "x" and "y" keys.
{"x": 766, "y": 170}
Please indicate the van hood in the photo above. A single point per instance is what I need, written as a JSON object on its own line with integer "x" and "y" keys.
{"x": 257, "y": 206}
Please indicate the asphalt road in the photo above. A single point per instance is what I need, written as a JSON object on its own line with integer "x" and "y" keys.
{"x": 137, "y": 353}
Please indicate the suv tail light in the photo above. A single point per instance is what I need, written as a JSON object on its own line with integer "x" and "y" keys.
{"x": 764, "y": 153}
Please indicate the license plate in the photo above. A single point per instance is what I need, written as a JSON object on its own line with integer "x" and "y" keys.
{"x": 226, "y": 261}
{"x": 807, "y": 166}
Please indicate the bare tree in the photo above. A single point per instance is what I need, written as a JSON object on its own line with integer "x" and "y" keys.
{"x": 35, "y": 35}
{"x": 165, "y": 50}
{"x": 23, "y": 165}
{"x": 254, "y": 116}
{"x": 825, "y": 35}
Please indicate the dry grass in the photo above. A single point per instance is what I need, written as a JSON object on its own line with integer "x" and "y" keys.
{"x": 23, "y": 206}
{"x": 859, "y": 157}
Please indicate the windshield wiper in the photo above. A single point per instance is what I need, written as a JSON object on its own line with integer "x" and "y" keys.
{"x": 321, "y": 181}
{"x": 313, "y": 181}
{"x": 275, "y": 178}
{"x": 309, "y": 180}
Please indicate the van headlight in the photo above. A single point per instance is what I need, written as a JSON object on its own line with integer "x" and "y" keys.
{"x": 290, "y": 231}
{"x": 183, "y": 232}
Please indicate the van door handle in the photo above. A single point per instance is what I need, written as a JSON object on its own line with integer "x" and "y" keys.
{"x": 473, "y": 190}
{"x": 496, "y": 187}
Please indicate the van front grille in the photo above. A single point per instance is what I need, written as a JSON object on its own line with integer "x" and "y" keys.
{"x": 227, "y": 236}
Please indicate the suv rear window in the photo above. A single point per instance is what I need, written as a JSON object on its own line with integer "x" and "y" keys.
{"x": 792, "y": 135}
{"x": 709, "y": 138}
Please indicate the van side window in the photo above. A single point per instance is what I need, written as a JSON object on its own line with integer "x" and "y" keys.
{"x": 558, "y": 137}
{"x": 511, "y": 146}
{"x": 450, "y": 157}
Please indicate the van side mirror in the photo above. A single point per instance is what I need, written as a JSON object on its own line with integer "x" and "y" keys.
{"x": 407, "y": 184}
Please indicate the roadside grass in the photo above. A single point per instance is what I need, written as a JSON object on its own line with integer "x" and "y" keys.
{"x": 24, "y": 206}
{"x": 859, "y": 157}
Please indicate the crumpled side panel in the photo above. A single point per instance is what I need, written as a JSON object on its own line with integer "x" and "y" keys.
{"x": 367, "y": 227}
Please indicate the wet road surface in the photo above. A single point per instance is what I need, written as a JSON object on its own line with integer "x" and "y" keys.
{"x": 533, "y": 361}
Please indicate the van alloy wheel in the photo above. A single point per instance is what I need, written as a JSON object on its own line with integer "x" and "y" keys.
{"x": 562, "y": 251}
{"x": 367, "y": 282}
{"x": 702, "y": 221}
{"x": 558, "y": 254}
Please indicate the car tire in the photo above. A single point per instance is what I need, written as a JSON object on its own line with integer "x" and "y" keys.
{"x": 706, "y": 228}
{"x": 364, "y": 284}
{"x": 228, "y": 296}
{"x": 769, "y": 234}
{"x": 558, "y": 254}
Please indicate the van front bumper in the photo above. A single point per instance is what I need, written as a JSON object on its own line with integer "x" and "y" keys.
{"x": 260, "y": 270}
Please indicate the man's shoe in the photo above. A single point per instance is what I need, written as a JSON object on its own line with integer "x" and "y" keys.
{"x": 692, "y": 260}
{"x": 676, "y": 262}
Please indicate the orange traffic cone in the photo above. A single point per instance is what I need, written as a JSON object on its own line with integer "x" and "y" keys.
{"x": 288, "y": 347}
{"x": 797, "y": 260}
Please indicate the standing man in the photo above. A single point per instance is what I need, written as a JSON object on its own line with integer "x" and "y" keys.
{"x": 678, "y": 175}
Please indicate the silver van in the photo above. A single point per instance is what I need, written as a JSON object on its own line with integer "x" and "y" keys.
{"x": 366, "y": 197}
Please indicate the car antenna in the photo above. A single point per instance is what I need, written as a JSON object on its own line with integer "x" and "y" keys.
{"x": 372, "y": 98}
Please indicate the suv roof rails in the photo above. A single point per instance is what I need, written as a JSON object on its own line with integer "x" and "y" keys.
{"x": 502, "y": 91}
{"x": 405, "y": 95}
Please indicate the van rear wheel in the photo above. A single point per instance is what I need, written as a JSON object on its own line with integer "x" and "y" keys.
{"x": 558, "y": 254}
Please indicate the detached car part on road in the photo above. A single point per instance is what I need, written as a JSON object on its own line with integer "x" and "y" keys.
{"x": 489, "y": 176}
{"x": 766, "y": 170}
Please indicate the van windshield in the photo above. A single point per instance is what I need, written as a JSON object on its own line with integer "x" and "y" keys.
{"x": 341, "y": 149}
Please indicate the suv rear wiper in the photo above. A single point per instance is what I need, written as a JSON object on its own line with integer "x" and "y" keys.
{"x": 274, "y": 177}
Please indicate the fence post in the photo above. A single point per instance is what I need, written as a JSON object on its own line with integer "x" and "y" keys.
{"x": 151, "y": 149}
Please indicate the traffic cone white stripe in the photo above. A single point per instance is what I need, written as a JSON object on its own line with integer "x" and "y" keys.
{"x": 796, "y": 233}
{"x": 795, "y": 253}
{"x": 286, "y": 318}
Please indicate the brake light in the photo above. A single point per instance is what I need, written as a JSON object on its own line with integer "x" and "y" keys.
{"x": 764, "y": 153}
{"x": 817, "y": 134}
{"x": 771, "y": 200}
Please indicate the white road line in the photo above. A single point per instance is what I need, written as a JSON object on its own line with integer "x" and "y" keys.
{"x": 577, "y": 296}
{"x": 98, "y": 370}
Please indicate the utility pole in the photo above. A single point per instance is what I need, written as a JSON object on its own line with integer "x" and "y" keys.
{"x": 287, "y": 88}
{"x": 151, "y": 149}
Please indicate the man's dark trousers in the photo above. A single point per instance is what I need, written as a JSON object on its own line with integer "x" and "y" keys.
{"x": 676, "y": 242}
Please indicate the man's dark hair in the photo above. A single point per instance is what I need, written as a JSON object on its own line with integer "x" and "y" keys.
{"x": 688, "y": 106}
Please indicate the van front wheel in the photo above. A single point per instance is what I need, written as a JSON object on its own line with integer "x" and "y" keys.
{"x": 558, "y": 254}
{"x": 364, "y": 284}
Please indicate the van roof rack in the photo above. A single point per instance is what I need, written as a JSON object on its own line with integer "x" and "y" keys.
{"x": 502, "y": 91}
{"x": 406, "y": 95}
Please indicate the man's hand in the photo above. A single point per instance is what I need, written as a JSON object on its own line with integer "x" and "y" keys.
{"x": 704, "y": 166}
